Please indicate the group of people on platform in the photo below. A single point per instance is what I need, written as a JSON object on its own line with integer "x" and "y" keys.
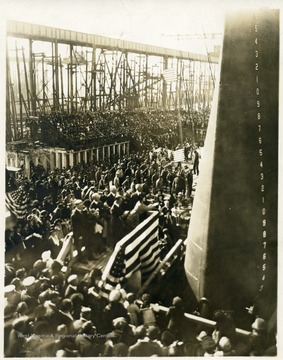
{"x": 99, "y": 203}
{"x": 144, "y": 126}
{"x": 100, "y": 197}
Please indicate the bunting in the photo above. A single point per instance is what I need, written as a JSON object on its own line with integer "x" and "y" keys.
{"x": 17, "y": 203}
{"x": 138, "y": 250}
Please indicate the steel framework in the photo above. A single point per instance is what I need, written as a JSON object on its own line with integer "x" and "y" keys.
{"x": 51, "y": 69}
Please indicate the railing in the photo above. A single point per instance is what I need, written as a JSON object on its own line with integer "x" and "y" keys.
{"x": 199, "y": 320}
{"x": 51, "y": 136}
{"x": 169, "y": 258}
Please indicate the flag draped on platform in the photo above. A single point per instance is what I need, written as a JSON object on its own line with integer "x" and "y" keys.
{"x": 138, "y": 250}
{"x": 17, "y": 203}
{"x": 179, "y": 155}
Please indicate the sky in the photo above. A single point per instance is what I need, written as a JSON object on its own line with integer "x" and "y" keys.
{"x": 179, "y": 24}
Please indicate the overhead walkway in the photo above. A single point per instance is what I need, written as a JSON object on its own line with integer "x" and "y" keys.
{"x": 47, "y": 33}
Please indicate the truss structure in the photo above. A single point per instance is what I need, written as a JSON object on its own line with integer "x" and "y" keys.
{"x": 51, "y": 69}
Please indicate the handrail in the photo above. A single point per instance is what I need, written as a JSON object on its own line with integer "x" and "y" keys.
{"x": 200, "y": 320}
{"x": 194, "y": 318}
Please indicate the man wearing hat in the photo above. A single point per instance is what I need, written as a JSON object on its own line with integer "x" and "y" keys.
{"x": 138, "y": 174}
{"x": 121, "y": 327}
{"x": 196, "y": 162}
{"x": 33, "y": 346}
{"x": 64, "y": 343}
{"x": 96, "y": 203}
{"x": 12, "y": 296}
{"x": 176, "y": 317}
{"x": 117, "y": 224}
{"x": 85, "y": 315}
{"x": 30, "y": 289}
{"x": 224, "y": 348}
{"x": 258, "y": 340}
{"x": 56, "y": 237}
{"x": 135, "y": 196}
{"x": 65, "y": 312}
{"x": 86, "y": 341}
{"x": 126, "y": 183}
{"x": 71, "y": 288}
{"x": 167, "y": 338}
{"x": 111, "y": 196}
{"x": 113, "y": 310}
{"x": 22, "y": 308}
{"x": 119, "y": 339}
{"x": 16, "y": 340}
{"x": 194, "y": 347}
{"x": 179, "y": 184}
{"x": 92, "y": 232}
{"x": 37, "y": 268}
{"x": 79, "y": 226}
{"x": 101, "y": 212}
{"x": 58, "y": 212}
{"x": 208, "y": 346}
{"x": 189, "y": 178}
{"x": 146, "y": 344}
{"x": 116, "y": 181}
{"x": 77, "y": 300}
{"x": 11, "y": 301}
{"x": 77, "y": 223}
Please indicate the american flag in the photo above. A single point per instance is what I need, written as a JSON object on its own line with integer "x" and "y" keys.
{"x": 179, "y": 155}
{"x": 17, "y": 203}
{"x": 138, "y": 250}
{"x": 170, "y": 75}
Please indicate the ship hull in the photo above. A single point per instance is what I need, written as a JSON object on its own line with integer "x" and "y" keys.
{"x": 231, "y": 255}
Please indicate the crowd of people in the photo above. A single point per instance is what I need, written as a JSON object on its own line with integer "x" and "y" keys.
{"x": 51, "y": 310}
{"x": 54, "y": 310}
{"x": 99, "y": 203}
{"x": 147, "y": 127}
{"x": 50, "y": 315}
{"x": 103, "y": 194}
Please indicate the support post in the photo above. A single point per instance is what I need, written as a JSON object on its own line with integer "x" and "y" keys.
{"x": 43, "y": 85}
{"x": 62, "y": 87}
{"x": 178, "y": 84}
{"x": 56, "y": 75}
{"x": 93, "y": 79}
{"x": 32, "y": 80}
{"x": 20, "y": 91}
{"x": 26, "y": 80}
{"x": 71, "y": 79}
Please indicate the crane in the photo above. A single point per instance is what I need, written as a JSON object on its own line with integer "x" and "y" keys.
{"x": 209, "y": 36}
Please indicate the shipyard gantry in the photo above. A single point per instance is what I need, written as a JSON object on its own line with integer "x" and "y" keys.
{"x": 51, "y": 69}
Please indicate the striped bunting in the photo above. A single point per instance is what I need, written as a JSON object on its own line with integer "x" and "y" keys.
{"x": 17, "y": 203}
{"x": 170, "y": 75}
{"x": 179, "y": 155}
{"x": 139, "y": 250}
